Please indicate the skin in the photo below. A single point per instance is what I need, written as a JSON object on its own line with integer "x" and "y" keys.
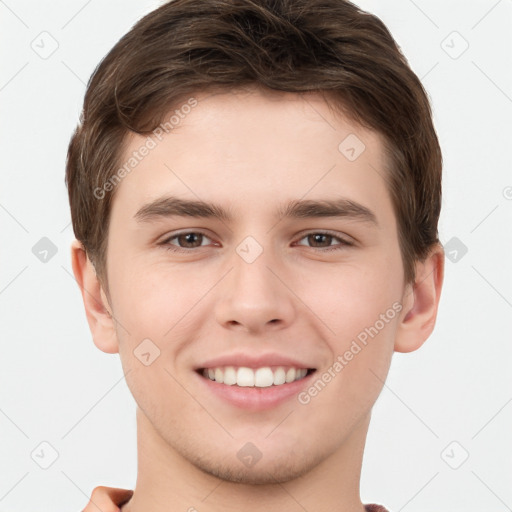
{"x": 250, "y": 152}
{"x": 106, "y": 499}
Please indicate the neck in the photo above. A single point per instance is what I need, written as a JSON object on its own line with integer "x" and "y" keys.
{"x": 168, "y": 482}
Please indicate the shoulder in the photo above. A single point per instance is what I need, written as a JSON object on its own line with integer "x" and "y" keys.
{"x": 375, "y": 508}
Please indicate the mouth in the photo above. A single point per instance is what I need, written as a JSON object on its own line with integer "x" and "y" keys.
{"x": 263, "y": 377}
{"x": 254, "y": 382}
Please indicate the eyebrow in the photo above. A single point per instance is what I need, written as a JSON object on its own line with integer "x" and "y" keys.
{"x": 170, "y": 206}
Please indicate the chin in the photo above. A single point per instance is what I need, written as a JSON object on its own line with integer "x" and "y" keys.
{"x": 283, "y": 468}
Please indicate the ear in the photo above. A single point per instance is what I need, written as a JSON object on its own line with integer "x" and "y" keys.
{"x": 421, "y": 301}
{"x": 97, "y": 308}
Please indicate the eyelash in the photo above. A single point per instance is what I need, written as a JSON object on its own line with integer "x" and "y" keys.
{"x": 174, "y": 248}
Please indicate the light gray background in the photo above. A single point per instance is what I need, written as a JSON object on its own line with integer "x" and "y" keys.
{"x": 451, "y": 398}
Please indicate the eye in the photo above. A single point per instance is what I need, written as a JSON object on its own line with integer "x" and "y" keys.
{"x": 322, "y": 240}
{"x": 185, "y": 241}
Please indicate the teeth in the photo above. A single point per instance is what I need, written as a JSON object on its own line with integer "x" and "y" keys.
{"x": 229, "y": 376}
{"x": 263, "y": 378}
{"x": 290, "y": 375}
{"x": 244, "y": 377}
{"x": 259, "y": 378}
{"x": 279, "y": 377}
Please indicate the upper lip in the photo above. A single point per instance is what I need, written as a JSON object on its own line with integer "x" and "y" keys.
{"x": 253, "y": 361}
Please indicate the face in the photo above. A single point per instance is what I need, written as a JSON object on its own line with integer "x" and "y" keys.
{"x": 286, "y": 267}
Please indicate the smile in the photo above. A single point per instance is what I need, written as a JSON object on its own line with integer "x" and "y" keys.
{"x": 255, "y": 377}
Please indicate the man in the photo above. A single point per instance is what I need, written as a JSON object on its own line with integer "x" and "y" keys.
{"x": 255, "y": 188}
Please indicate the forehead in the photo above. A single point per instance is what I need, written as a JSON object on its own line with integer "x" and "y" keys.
{"x": 248, "y": 147}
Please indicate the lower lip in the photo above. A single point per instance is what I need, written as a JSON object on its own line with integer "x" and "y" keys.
{"x": 253, "y": 398}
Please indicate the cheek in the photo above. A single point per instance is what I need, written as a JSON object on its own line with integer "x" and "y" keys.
{"x": 360, "y": 352}
{"x": 150, "y": 300}
{"x": 351, "y": 297}
{"x": 360, "y": 306}
{"x": 159, "y": 310}
{"x": 155, "y": 311}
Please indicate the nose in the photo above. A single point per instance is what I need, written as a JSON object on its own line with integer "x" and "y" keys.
{"x": 255, "y": 297}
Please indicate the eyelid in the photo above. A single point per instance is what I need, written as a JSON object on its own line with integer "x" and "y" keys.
{"x": 344, "y": 239}
{"x": 166, "y": 244}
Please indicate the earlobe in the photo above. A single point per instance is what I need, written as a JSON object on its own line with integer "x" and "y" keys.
{"x": 97, "y": 308}
{"x": 421, "y": 302}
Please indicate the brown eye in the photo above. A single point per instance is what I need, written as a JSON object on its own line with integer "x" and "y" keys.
{"x": 186, "y": 241}
{"x": 190, "y": 240}
{"x": 319, "y": 240}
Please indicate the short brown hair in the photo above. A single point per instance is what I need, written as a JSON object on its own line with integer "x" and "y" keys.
{"x": 325, "y": 46}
